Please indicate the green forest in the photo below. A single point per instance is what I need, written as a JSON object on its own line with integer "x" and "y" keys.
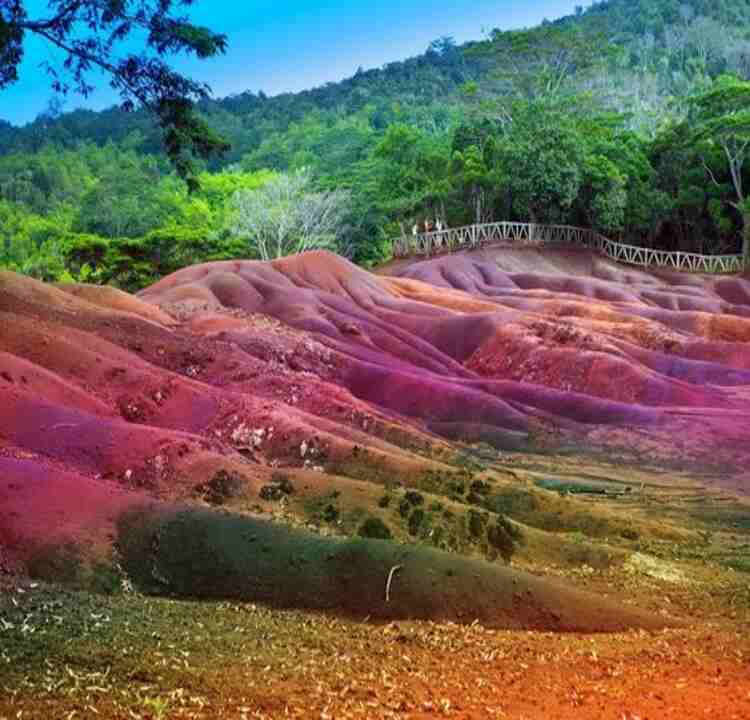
{"x": 631, "y": 117}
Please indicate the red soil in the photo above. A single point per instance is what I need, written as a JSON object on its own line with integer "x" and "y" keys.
{"x": 106, "y": 390}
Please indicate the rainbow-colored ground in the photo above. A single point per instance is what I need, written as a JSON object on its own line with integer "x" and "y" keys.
{"x": 552, "y": 443}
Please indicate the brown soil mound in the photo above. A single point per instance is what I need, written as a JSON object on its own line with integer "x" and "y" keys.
{"x": 114, "y": 299}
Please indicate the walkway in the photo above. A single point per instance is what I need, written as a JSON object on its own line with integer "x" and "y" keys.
{"x": 473, "y": 237}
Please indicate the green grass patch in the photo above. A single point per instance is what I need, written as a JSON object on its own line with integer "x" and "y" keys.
{"x": 570, "y": 487}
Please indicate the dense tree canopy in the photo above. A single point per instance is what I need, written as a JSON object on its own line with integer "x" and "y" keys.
{"x": 91, "y": 35}
{"x": 722, "y": 120}
{"x": 628, "y": 117}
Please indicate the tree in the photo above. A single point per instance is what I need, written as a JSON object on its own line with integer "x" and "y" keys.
{"x": 92, "y": 33}
{"x": 286, "y": 216}
{"x": 127, "y": 199}
{"x": 473, "y": 175}
{"x": 540, "y": 157}
{"x": 722, "y": 120}
{"x": 412, "y": 168}
{"x": 539, "y": 63}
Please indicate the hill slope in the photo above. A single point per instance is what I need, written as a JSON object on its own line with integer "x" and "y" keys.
{"x": 322, "y": 396}
{"x": 418, "y": 89}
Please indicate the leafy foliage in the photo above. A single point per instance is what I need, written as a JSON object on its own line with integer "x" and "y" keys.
{"x": 91, "y": 35}
{"x": 286, "y": 217}
{"x": 539, "y": 63}
{"x": 723, "y": 120}
{"x": 618, "y": 118}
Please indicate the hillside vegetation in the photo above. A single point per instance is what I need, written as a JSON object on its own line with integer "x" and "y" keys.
{"x": 589, "y": 120}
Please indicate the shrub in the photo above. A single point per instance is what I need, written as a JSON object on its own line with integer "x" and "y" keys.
{"x": 480, "y": 487}
{"x": 503, "y": 536}
{"x": 283, "y": 482}
{"x": 384, "y": 501}
{"x": 222, "y": 487}
{"x": 280, "y": 486}
{"x": 477, "y": 523}
{"x": 414, "y": 498}
{"x": 415, "y": 521}
{"x": 375, "y": 528}
{"x": 330, "y": 513}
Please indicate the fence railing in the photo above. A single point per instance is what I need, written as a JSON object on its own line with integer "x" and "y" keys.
{"x": 529, "y": 234}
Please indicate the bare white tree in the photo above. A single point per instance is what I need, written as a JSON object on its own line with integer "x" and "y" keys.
{"x": 286, "y": 216}
{"x": 738, "y": 59}
{"x": 708, "y": 39}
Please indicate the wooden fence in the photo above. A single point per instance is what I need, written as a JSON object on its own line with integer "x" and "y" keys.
{"x": 526, "y": 234}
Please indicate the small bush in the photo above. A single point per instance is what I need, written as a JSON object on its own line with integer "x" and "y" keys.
{"x": 415, "y": 521}
{"x": 280, "y": 486}
{"x": 330, "y": 513}
{"x": 385, "y": 501}
{"x": 271, "y": 493}
{"x": 578, "y": 537}
{"x": 323, "y": 508}
{"x": 223, "y": 486}
{"x": 375, "y": 529}
{"x": 456, "y": 487}
{"x": 480, "y": 487}
{"x": 414, "y": 498}
{"x": 477, "y": 523}
{"x": 283, "y": 482}
{"x": 502, "y": 536}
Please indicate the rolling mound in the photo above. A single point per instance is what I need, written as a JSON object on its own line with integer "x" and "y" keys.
{"x": 478, "y": 343}
{"x": 222, "y": 434}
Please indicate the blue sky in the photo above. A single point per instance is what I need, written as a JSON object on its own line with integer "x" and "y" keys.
{"x": 285, "y": 45}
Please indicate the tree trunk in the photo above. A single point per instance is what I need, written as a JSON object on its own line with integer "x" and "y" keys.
{"x": 746, "y": 239}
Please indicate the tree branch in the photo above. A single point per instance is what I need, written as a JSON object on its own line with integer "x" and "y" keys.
{"x": 52, "y": 22}
{"x": 710, "y": 172}
{"x": 103, "y": 64}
